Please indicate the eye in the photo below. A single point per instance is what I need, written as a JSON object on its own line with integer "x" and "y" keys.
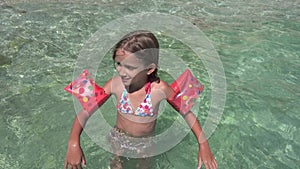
{"x": 130, "y": 67}
{"x": 117, "y": 64}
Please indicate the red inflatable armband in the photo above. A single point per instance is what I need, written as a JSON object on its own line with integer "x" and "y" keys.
{"x": 88, "y": 93}
{"x": 186, "y": 88}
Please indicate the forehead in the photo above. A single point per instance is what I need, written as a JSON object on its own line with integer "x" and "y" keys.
{"x": 126, "y": 57}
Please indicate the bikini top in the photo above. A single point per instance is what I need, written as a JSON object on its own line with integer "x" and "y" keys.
{"x": 144, "y": 109}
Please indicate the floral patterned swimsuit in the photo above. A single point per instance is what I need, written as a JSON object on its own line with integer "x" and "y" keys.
{"x": 144, "y": 109}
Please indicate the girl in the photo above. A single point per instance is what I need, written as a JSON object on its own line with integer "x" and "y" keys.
{"x": 139, "y": 91}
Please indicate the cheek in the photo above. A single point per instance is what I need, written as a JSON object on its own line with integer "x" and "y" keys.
{"x": 118, "y": 68}
{"x": 132, "y": 73}
{"x": 140, "y": 75}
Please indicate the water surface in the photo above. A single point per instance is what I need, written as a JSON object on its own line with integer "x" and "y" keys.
{"x": 258, "y": 43}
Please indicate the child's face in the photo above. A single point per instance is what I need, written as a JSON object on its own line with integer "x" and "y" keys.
{"x": 129, "y": 67}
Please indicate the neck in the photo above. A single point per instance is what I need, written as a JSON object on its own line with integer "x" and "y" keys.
{"x": 135, "y": 87}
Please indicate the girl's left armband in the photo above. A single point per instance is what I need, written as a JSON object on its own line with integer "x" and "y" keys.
{"x": 186, "y": 88}
{"x": 89, "y": 94}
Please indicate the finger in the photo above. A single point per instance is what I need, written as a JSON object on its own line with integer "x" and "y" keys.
{"x": 199, "y": 163}
{"x": 66, "y": 165}
{"x": 83, "y": 161}
{"x": 73, "y": 166}
{"x": 206, "y": 165}
{"x": 215, "y": 163}
{"x": 210, "y": 165}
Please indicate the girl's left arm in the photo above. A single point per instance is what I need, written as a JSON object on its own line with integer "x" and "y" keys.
{"x": 204, "y": 153}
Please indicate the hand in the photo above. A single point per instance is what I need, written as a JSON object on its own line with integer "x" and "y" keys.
{"x": 74, "y": 157}
{"x": 206, "y": 156}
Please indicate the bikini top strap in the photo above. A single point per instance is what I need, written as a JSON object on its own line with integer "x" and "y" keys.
{"x": 148, "y": 88}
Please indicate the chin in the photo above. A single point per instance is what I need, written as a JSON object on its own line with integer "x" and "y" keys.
{"x": 126, "y": 83}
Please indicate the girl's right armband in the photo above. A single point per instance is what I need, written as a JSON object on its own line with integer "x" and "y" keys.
{"x": 88, "y": 93}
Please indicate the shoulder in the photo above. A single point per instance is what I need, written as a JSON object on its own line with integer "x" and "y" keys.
{"x": 163, "y": 87}
{"x": 113, "y": 85}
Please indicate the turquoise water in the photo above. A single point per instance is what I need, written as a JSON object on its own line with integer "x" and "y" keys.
{"x": 258, "y": 43}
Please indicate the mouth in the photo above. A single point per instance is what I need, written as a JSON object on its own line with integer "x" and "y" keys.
{"x": 124, "y": 80}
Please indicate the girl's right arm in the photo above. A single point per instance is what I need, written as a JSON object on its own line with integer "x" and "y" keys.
{"x": 75, "y": 156}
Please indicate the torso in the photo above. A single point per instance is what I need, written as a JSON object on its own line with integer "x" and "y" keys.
{"x": 144, "y": 109}
{"x": 131, "y": 123}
